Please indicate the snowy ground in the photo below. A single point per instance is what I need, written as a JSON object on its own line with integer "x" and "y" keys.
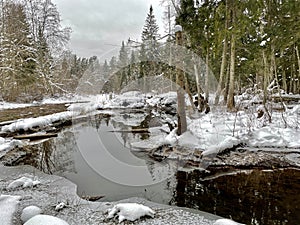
{"x": 53, "y": 190}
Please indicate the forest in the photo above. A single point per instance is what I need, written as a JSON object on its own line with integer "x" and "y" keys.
{"x": 244, "y": 43}
{"x": 198, "y": 124}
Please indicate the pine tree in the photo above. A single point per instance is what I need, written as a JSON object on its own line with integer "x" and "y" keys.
{"x": 150, "y": 35}
{"x": 123, "y": 65}
{"x": 123, "y": 56}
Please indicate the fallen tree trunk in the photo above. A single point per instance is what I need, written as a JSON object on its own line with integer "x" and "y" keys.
{"x": 33, "y": 137}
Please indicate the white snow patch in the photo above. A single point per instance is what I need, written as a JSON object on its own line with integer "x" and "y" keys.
{"x": 25, "y": 124}
{"x": 23, "y": 182}
{"x": 228, "y": 143}
{"x": 45, "y": 220}
{"x": 130, "y": 211}
{"x": 275, "y": 137}
{"x": 227, "y": 222}
{"x": 132, "y": 99}
{"x": 7, "y": 105}
{"x": 6, "y": 145}
{"x": 171, "y": 138}
{"x": 8, "y": 206}
{"x": 263, "y": 43}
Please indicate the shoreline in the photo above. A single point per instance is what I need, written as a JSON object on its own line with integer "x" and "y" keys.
{"x": 55, "y": 189}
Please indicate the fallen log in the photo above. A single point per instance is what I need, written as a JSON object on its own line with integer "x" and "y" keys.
{"x": 134, "y": 131}
{"x": 33, "y": 137}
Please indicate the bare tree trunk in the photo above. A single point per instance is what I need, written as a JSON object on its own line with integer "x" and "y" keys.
{"x": 225, "y": 95}
{"x": 274, "y": 69}
{"x": 187, "y": 89}
{"x": 284, "y": 84}
{"x": 265, "y": 80}
{"x": 207, "y": 76}
{"x": 198, "y": 85}
{"x": 298, "y": 59}
{"x": 265, "y": 85}
{"x": 181, "y": 115}
{"x": 230, "y": 100}
{"x": 224, "y": 61}
{"x": 222, "y": 72}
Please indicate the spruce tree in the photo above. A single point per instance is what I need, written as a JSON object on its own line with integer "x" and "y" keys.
{"x": 150, "y": 34}
{"x": 150, "y": 45}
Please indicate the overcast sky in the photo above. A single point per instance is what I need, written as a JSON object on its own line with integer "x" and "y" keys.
{"x": 99, "y": 26}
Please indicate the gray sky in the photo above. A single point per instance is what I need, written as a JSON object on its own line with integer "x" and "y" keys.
{"x": 99, "y": 26}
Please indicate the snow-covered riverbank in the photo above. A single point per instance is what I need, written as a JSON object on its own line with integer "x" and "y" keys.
{"x": 213, "y": 132}
{"x": 208, "y": 134}
{"x": 53, "y": 190}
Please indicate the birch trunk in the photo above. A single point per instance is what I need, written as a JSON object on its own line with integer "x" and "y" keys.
{"x": 230, "y": 100}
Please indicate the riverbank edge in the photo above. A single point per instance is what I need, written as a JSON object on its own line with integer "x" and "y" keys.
{"x": 55, "y": 189}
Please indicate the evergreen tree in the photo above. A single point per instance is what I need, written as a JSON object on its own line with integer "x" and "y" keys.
{"x": 150, "y": 46}
{"x": 150, "y": 36}
{"x": 123, "y": 66}
{"x": 105, "y": 69}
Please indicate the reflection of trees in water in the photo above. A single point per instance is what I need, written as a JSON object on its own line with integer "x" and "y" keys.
{"x": 164, "y": 175}
{"x": 97, "y": 120}
{"x": 54, "y": 155}
{"x": 46, "y": 164}
{"x": 255, "y": 198}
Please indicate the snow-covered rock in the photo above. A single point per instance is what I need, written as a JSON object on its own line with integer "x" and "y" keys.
{"x": 22, "y": 182}
{"x": 60, "y": 206}
{"x": 29, "y": 212}
{"x": 226, "y": 222}
{"x": 45, "y": 220}
{"x": 8, "y": 206}
{"x": 130, "y": 211}
{"x": 6, "y": 145}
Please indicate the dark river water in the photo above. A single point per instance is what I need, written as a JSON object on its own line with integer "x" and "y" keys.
{"x": 97, "y": 157}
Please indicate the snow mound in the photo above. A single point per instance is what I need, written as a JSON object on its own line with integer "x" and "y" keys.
{"x": 45, "y": 220}
{"x": 226, "y": 222}
{"x": 130, "y": 211}
{"x": 30, "y": 212}
{"x": 42, "y": 121}
{"x": 132, "y": 99}
{"x": 2, "y": 140}
{"x": 8, "y": 206}
{"x": 228, "y": 143}
{"x": 22, "y": 182}
{"x": 5, "y": 146}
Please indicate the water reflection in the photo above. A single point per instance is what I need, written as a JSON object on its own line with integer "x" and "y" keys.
{"x": 252, "y": 197}
{"x": 101, "y": 163}
{"x": 91, "y": 155}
